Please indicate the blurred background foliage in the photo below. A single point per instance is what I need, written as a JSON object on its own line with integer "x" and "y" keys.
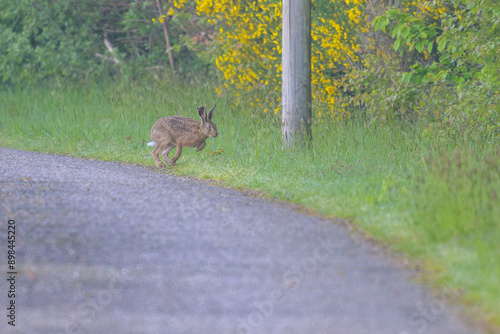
{"x": 382, "y": 59}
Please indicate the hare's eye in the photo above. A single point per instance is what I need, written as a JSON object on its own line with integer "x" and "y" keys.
{"x": 209, "y": 126}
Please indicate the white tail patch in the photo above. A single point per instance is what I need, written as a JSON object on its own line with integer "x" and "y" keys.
{"x": 152, "y": 144}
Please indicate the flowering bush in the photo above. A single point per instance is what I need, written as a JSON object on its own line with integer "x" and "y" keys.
{"x": 248, "y": 52}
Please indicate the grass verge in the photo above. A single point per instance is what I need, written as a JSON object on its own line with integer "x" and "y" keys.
{"x": 433, "y": 197}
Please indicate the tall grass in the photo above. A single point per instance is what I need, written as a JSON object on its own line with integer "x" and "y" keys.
{"x": 433, "y": 197}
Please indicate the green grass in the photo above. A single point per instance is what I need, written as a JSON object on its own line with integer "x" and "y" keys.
{"x": 432, "y": 197}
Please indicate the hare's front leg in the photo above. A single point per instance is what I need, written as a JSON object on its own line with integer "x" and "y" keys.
{"x": 201, "y": 147}
{"x": 177, "y": 154}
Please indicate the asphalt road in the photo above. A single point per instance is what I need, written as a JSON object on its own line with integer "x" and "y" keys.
{"x": 105, "y": 247}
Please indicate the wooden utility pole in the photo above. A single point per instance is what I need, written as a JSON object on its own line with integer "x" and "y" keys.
{"x": 296, "y": 81}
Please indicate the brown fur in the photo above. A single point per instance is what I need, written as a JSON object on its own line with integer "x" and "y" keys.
{"x": 179, "y": 132}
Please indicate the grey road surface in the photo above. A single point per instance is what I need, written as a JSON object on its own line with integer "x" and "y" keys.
{"x": 104, "y": 247}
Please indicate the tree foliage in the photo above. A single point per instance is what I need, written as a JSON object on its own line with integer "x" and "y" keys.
{"x": 76, "y": 39}
{"x": 40, "y": 39}
{"x": 443, "y": 67}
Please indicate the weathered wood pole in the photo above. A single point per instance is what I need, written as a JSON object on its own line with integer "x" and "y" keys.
{"x": 296, "y": 80}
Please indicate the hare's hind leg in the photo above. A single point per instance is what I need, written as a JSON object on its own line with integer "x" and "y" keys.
{"x": 165, "y": 153}
{"x": 162, "y": 146}
{"x": 177, "y": 154}
{"x": 156, "y": 158}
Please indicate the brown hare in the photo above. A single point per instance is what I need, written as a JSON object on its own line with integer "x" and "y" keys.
{"x": 178, "y": 131}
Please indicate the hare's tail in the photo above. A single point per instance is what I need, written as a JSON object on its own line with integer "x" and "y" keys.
{"x": 152, "y": 144}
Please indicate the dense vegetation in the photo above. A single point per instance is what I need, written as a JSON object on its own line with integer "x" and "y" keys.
{"x": 406, "y": 109}
{"x": 410, "y": 59}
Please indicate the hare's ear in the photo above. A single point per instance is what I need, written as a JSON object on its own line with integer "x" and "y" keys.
{"x": 211, "y": 112}
{"x": 203, "y": 113}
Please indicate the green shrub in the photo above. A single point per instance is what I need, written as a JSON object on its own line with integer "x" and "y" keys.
{"x": 446, "y": 71}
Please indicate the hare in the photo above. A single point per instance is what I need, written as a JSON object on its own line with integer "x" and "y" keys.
{"x": 178, "y": 131}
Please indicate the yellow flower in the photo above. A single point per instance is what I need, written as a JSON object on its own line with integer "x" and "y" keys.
{"x": 249, "y": 50}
